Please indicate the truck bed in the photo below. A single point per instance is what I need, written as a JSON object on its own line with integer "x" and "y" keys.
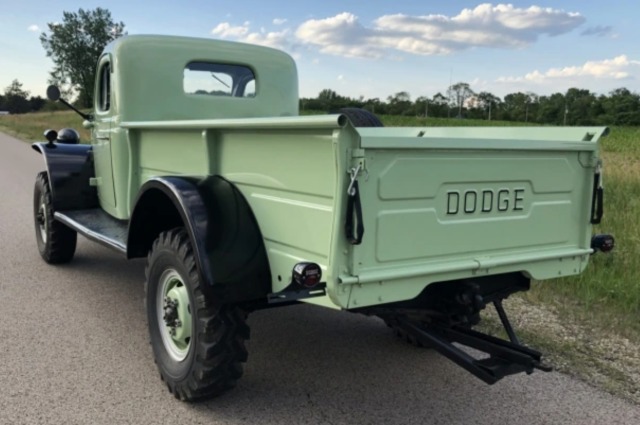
{"x": 438, "y": 203}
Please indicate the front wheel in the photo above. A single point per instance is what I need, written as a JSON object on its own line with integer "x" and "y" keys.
{"x": 198, "y": 344}
{"x": 56, "y": 242}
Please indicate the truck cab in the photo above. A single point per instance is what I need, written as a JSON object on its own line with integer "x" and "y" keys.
{"x": 162, "y": 79}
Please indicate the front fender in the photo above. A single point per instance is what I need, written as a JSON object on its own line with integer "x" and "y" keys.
{"x": 225, "y": 237}
{"x": 69, "y": 168}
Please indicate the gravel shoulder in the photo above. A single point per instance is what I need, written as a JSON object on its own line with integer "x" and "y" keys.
{"x": 576, "y": 347}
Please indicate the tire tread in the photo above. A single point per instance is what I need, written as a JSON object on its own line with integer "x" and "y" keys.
{"x": 221, "y": 330}
{"x": 61, "y": 240}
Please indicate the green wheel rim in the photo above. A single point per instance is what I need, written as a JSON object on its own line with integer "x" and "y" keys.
{"x": 174, "y": 315}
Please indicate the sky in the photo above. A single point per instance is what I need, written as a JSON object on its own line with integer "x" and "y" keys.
{"x": 377, "y": 48}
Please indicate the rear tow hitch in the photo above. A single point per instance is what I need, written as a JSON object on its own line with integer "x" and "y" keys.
{"x": 504, "y": 357}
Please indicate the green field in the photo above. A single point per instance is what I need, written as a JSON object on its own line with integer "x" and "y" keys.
{"x": 31, "y": 127}
{"x": 609, "y": 290}
{"x": 607, "y": 295}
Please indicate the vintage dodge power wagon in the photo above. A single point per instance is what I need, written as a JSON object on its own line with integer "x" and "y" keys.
{"x": 200, "y": 162}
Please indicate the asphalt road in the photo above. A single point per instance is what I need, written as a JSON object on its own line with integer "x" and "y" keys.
{"x": 74, "y": 350}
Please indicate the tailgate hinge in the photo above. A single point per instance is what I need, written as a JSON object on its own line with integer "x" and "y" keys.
{"x": 357, "y": 153}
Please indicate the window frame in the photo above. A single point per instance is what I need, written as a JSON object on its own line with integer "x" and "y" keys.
{"x": 103, "y": 90}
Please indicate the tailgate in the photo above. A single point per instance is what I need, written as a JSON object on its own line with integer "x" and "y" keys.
{"x": 448, "y": 203}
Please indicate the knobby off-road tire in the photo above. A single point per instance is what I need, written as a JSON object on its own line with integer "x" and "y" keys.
{"x": 361, "y": 117}
{"x": 201, "y": 355}
{"x": 56, "y": 242}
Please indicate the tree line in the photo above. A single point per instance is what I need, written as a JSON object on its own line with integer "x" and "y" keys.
{"x": 573, "y": 107}
{"x": 16, "y": 100}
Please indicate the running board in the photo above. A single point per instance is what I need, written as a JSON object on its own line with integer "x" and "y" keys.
{"x": 98, "y": 226}
{"x": 505, "y": 358}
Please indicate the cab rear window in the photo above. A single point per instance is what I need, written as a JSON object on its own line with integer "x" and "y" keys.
{"x": 218, "y": 79}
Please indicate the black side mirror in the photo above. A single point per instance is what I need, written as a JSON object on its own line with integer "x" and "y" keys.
{"x": 53, "y": 93}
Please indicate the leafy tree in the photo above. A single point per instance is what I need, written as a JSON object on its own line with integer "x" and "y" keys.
{"x": 622, "y": 107}
{"x": 421, "y": 106}
{"x": 15, "y": 98}
{"x": 488, "y": 103}
{"x": 531, "y": 104}
{"x": 75, "y": 45}
{"x": 36, "y": 103}
{"x": 520, "y": 106}
{"x": 580, "y": 106}
{"x": 374, "y": 105}
{"x": 400, "y": 104}
{"x": 458, "y": 94}
{"x": 552, "y": 109}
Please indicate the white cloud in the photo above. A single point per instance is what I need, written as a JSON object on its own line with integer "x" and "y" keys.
{"x": 499, "y": 26}
{"x": 34, "y": 28}
{"x": 618, "y": 68}
{"x": 226, "y": 30}
{"x": 275, "y": 39}
{"x": 487, "y": 25}
{"x": 339, "y": 35}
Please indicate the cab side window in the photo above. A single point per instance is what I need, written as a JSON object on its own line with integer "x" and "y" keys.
{"x": 103, "y": 100}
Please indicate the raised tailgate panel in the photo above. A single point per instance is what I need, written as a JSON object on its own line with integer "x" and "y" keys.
{"x": 431, "y": 205}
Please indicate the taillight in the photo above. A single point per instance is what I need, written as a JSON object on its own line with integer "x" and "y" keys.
{"x": 306, "y": 274}
{"x": 602, "y": 243}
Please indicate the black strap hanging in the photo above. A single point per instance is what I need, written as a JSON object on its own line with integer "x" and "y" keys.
{"x": 597, "y": 200}
{"x": 354, "y": 208}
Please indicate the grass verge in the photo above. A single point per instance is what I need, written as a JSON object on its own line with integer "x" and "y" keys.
{"x": 31, "y": 127}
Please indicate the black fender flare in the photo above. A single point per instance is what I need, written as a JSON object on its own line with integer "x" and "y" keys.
{"x": 227, "y": 242}
{"x": 70, "y": 167}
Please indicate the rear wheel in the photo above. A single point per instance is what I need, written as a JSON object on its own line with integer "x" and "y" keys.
{"x": 56, "y": 242}
{"x": 361, "y": 117}
{"x": 198, "y": 344}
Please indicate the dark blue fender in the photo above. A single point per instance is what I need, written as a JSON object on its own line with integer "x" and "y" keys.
{"x": 225, "y": 236}
{"x": 69, "y": 168}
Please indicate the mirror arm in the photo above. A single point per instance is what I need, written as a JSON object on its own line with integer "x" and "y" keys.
{"x": 82, "y": 114}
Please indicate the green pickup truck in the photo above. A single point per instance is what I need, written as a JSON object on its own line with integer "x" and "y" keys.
{"x": 200, "y": 161}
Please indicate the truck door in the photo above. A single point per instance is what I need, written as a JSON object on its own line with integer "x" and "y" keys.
{"x": 101, "y": 133}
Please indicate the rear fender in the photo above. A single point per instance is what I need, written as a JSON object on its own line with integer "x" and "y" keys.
{"x": 70, "y": 167}
{"x": 226, "y": 240}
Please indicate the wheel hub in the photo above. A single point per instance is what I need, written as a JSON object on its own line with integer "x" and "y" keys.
{"x": 171, "y": 315}
{"x": 42, "y": 221}
{"x": 174, "y": 315}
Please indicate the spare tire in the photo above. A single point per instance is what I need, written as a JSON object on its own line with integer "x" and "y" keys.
{"x": 361, "y": 117}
